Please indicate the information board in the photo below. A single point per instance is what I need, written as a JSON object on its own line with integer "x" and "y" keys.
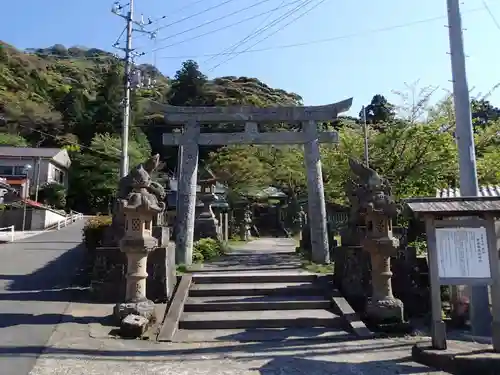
{"x": 462, "y": 253}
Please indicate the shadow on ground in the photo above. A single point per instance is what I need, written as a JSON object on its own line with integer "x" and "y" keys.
{"x": 58, "y": 280}
{"x": 281, "y": 358}
{"x": 13, "y": 319}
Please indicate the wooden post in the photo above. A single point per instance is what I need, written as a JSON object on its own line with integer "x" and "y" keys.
{"x": 493, "y": 233}
{"x": 226, "y": 226}
{"x": 438, "y": 326}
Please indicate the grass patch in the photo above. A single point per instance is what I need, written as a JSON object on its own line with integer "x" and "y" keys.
{"x": 317, "y": 268}
{"x": 181, "y": 269}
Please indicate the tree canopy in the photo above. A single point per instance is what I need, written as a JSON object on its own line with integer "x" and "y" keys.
{"x": 72, "y": 98}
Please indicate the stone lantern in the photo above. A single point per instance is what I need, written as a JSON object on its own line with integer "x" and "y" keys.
{"x": 206, "y": 224}
{"x": 139, "y": 209}
{"x": 380, "y": 243}
{"x": 375, "y": 206}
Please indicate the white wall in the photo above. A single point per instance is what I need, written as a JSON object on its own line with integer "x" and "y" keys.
{"x": 42, "y": 219}
{"x": 52, "y": 217}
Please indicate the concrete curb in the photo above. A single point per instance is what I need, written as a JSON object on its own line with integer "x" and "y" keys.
{"x": 484, "y": 362}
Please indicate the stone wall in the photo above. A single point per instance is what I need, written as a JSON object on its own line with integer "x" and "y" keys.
{"x": 352, "y": 276}
{"x": 109, "y": 269}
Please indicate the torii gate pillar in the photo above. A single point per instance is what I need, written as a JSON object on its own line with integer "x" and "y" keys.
{"x": 191, "y": 137}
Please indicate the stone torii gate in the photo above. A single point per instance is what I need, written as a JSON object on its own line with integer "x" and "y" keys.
{"x": 191, "y": 138}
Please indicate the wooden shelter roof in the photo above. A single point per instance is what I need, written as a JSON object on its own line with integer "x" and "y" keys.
{"x": 456, "y": 206}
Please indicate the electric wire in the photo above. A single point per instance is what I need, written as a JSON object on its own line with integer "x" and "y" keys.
{"x": 367, "y": 32}
{"x": 233, "y": 47}
{"x": 209, "y": 22}
{"x": 222, "y": 28}
{"x": 492, "y": 16}
{"x": 273, "y": 23}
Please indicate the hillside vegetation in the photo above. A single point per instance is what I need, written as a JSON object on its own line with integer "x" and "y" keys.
{"x": 71, "y": 97}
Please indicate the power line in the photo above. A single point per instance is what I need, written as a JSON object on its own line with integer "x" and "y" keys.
{"x": 320, "y": 41}
{"x": 194, "y": 15}
{"x": 493, "y": 18}
{"x": 223, "y": 28}
{"x": 273, "y": 23}
{"x": 81, "y": 146}
{"x": 211, "y": 22}
{"x": 235, "y": 45}
{"x": 277, "y": 47}
{"x": 175, "y": 11}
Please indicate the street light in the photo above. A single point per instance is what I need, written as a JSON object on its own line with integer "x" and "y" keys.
{"x": 26, "y": 169}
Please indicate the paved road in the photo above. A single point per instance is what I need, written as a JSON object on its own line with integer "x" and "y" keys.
{"x": 35, "y": 276}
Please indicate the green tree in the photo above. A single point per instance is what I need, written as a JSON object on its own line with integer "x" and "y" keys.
{"x": 94, "y": 174}
{"x": 380, "y": 110}
{"x": 14, "y": 140}
{"x": 188, "y": 86}
{"x": 53, "y": 194}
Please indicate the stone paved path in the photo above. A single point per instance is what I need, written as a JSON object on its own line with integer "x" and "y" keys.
{"x": 273, "y": 254}
{"x": 78, "y": 346}
{"x": 35, "y": 274}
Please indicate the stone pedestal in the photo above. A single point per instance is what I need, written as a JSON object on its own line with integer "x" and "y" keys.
{"x": 136, "y": 245}
{"x": 380, "y": 243}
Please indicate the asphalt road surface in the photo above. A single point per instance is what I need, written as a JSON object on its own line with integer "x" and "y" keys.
{"x": 35, "y": 280}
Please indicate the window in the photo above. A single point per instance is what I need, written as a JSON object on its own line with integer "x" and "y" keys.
{"x": 6, "y": 170}
{"x": 19, "y": 170}
{"x": 58, "y": 176}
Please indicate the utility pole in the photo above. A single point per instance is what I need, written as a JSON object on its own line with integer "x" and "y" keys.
{"x": 365, "y": 136}
{"x": 129, "y": 81}
{"x": 480, "y": 315}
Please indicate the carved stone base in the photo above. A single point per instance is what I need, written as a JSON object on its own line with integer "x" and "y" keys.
{"x": 145, "y": 309}
{"x": 134, "y": 326}
{"x": 385, "y": 311}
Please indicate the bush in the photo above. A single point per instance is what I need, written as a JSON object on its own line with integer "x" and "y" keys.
{"x": 207, "y": 249}
{"x": 93, "y": 231}
{"x": 53, "y": 194}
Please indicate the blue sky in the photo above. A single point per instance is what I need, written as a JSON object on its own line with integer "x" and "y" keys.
{"x": 359, "y": 61}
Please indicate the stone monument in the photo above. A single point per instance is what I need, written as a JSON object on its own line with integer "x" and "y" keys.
{"x": 377, "y": 205}
{"x": 205, "y": 224}
{"x": 137, "y": 211}
{"x": 246, "y": 224}
{"x": 125, "y": 187}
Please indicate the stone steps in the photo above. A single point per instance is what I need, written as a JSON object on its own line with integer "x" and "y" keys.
{"x": 253, "y": 289}
{"x": 263, "y": 335}
{"x": 260, "y": 319}
{"x": 259, "y": 306}
{"x": 252, "y": 277}
{"x": 253, "y": 303}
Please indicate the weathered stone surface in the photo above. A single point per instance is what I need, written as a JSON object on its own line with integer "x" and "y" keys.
{"x": 162, "y": 235}
{"x": 154, "y": 192}
{"x": 144, "y": 308}
{"x": 109, "y": 270}
{"x": 133, "y": 326}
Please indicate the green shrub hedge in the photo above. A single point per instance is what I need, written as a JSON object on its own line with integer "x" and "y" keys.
{"x": 207, "y": 249}
{"x": 93, "y": 231}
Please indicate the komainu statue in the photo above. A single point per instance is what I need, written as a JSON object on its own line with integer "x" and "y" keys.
{"x": 137, "y": 187}
{"x": 374, "y": 203}
{"x": 368, "y": 189}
